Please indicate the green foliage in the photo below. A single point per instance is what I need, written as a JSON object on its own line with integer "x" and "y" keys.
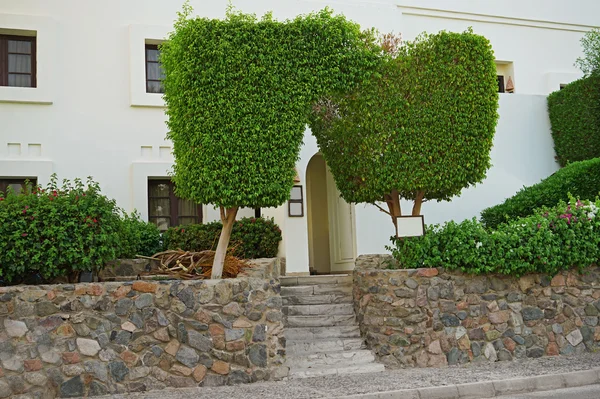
{"x": 580, "y": 179}
{"x": 138, "y": 237}
{"x": 57, "y": 230}
{"x": 575, "y": 119}
{"x": 238, "y": 93}
{"x": 251, "y": 238}
{"x": 424, "y": 122}
{"x": 590, "y": 62}
{"x": 550, "y": 240}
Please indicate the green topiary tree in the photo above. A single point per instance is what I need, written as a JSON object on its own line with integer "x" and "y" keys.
{"x": 419, "y": 129}
{"x": 238, "y": 93}
{"x": 575, "y": 119}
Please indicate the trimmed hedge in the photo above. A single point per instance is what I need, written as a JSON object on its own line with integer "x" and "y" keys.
{"x": 575, "y": 119}
{"x": 550, "y": 240}
{"x": 138, "y": 237}
{"x": 251, "y": 238}
{"x": 580, "y": 179}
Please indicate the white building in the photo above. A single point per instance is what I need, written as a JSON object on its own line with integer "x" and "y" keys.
{"x": 91, "y": 111}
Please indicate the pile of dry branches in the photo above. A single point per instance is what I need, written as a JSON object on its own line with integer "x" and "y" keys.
{"x": 188, "y": 265}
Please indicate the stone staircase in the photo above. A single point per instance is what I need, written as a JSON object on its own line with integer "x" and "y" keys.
{"x": 321, "y": 331}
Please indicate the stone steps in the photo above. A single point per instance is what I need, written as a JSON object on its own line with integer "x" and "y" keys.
{"x": 328, "y": 309}
{"x": 322, "y": 335}
{"x": 318, "y": 372}
{"x": 321, "y": 321}
{"x": 302, "y": 347}
{"x": 338, "y": 358}
{"x": 310, "y": 333}
{"x": 317, "y": 299}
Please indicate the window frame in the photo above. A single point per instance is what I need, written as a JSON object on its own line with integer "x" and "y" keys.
{"x": 148, "y": 46}
{"x": 174, "y": 215}
{"x": 4, "y": 38}
{"x": 6, "y": 181}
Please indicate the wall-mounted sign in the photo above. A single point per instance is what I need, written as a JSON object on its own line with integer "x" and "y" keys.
{"x": 411, "y": 226}
{"x": 296, "y": 202}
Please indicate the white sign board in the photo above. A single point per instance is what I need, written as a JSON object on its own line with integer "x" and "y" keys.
{"x": 411, "y": 226}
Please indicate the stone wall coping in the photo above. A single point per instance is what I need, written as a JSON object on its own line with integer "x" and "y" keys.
{"x": 109, "y": 286}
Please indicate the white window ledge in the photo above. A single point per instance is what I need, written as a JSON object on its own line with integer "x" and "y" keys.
{"x": 45, "y": 32}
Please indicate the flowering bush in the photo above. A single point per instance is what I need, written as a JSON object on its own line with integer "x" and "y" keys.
{"x": 57, "y": 230}
{"x": 580, "y": 179}
{"x": 251, "y": 238}
{"x": 550, "y": 240}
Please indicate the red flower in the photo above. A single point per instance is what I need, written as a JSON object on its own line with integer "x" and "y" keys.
{"x": 54, "y": 193}
{"x": 95, "y": 221}
{"x": 24, "y": 235}
{"x": 183, "y": 230}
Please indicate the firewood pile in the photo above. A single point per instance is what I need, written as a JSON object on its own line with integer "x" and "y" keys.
{"x": 188, "y": 265}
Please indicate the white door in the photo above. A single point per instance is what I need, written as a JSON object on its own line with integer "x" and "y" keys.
{"x": 342, "y": 229}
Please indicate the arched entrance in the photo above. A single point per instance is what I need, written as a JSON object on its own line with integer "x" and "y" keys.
{"x": 331, "y": 224}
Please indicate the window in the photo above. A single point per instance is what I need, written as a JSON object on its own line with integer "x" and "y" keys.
{"x": 166, "y": 210}
{"x": 500, "y": 83}
{"x": 17, "y": 184}
{"x": 17, "y": 61}
{"x": 154, "y": 72}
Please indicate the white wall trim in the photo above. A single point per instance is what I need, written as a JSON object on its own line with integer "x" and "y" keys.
{"x": 45, "y": 29}
{"x": 138, "y": 36}
{"x": 492, "y": 19}
{"x": 40, "y": 169}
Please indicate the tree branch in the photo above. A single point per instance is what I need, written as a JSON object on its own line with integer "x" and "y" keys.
{"x": 382, "y": 210}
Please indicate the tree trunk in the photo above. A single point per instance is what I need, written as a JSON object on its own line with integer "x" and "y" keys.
{"x": 227, "y": 218}
{"x": 416, "y": 211}
{"x": 393, "y": 202}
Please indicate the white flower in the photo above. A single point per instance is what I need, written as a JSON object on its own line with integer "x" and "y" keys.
{"x": 478, "y": 245}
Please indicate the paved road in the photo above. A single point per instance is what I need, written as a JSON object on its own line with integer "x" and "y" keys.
{"x": 586, "y": 392}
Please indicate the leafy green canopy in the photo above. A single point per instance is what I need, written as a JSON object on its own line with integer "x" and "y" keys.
{"x": 590, "y": 45}
{"x": 580, "y": 179}
{"x": 575, "y": 119}
{"x": 238, "y": 94}
{"x": 422, "y": 126}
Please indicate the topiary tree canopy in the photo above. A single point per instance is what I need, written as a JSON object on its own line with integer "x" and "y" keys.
{"x": 420, "y": 129}
{"x": 575, "y": 119}
{"x": 238, "y": 93}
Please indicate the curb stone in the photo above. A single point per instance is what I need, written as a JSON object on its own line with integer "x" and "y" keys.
{"x": 490, "y": 389}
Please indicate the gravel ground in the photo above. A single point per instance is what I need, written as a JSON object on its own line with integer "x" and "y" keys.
{"x": 339, "y": 386}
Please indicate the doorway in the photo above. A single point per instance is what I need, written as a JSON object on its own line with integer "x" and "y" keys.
{"x": 331, "y": 222}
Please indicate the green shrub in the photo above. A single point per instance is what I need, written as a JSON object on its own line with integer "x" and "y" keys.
{"x": 575, "y": 119}
{"x": 57, "y": 230}
{"x": 251, "y": 238}
{"x": 138, "y": 237}
{"x": 550, "y": 240}
{"x": 580, "y": 179}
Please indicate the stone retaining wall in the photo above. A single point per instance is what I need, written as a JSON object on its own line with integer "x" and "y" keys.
{"x": 431, "y": 318}
{"x": 72, "y": 340}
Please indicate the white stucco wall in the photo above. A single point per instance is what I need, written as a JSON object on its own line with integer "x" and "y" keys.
{"x": 91, "y": 116}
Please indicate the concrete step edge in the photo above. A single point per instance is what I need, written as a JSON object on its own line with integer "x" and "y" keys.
{"x": 490, "y": 389}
